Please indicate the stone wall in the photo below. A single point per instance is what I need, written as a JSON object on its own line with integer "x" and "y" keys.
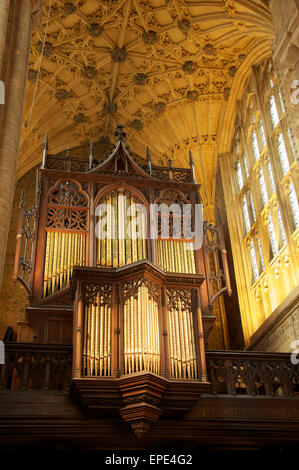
{"x": 281, "y": 329}
{"x": 13, "y": 296}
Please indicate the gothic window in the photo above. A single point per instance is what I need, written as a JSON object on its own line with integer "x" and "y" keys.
{"x": 246, "y": 215}
{"x": 273, "y": 112}
{"x": 254, "y": 264}
{"x": 245, "y": 166}
{"x": 271, "y": 176}
{"x": 262, "y": 133}
{"x": 263, "y": 186}
{"x": 273, "y": 241}
{"x": 294, "y": 204}
{"x": 283, "y": 155}
{"x": 255, "y": 147}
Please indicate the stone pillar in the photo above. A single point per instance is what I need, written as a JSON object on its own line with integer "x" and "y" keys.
{"x": 4, "y": 9}
{"x": 285, "y": 48}
{"x": 14, "y": 71}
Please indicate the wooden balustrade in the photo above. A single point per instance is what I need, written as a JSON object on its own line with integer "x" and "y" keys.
{"x": 36, "y": 367}
{"x": 252, "y": 373}
{"x": 48, "y": 367}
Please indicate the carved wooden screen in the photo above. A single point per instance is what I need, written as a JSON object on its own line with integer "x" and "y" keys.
{"x": 181, "y": 334}
{"x": 118, "y": 243}
{"x": 97, "y": 330}
{"x": 174, "y": 255}
{"x": 141, "y": 327}
{"x": 65, "y": 234}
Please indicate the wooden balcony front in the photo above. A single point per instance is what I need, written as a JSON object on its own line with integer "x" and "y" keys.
{"x": 251, "y": 400}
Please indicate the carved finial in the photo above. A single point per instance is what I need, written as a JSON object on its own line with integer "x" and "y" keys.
{"x": 140, "y": 428}
{"x": 170, "y": 163}
{"x": 149, "y": 160}
{"x": 91, "y": 154}
{"x": 68, "y": 153}
{"x": 22, "y": 200}
{"x": 192, "y": 166}
{"x": 45, "y": 151}
{"x": 120, "y": 135}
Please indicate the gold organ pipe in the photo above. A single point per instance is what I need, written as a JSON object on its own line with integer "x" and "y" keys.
{"x": 46, "y": 270}
{"x": 103, "y": 308}
{"x": 54, "y": 260}
{"x": 125, "y": 337}
{"x": 121, "y": 201}
{"x": 109, "y": 234}
{"x": 62, "y": 261}
{"x": 52, "y": 235}
{"x": 171, "y": 344}
{"x": 97, "y": 364}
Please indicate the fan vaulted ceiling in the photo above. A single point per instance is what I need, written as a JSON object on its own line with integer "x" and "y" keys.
{"x": 169, "y": 70}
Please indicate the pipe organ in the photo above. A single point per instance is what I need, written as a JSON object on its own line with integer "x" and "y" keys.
{"x": 140, "y": 305}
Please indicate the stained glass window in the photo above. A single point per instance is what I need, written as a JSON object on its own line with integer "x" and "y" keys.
{"x": 273, "y": 112}
{"x": 262, "y": 134}
{"x": 246, "y": 215}
{"x": 283, "y": 155}
{"x": 263, "y": 186}
{"x": 255, "y": 148}
{"x": 294, "y": 204}
{"x": 254, "y": 261}
{"x": 245, "y": 166}
{"x": 271, "y": 176}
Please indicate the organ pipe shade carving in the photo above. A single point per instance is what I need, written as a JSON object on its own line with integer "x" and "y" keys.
{"x": 97, "y": 331}
{"x": 181, "y": 335}
{"x": 63, "y": 251}
{"x": 65, "y": 234}
{"x": 141, "y": 331}
{"x": 176, "y": 256}
{"x": 121, "y": 230}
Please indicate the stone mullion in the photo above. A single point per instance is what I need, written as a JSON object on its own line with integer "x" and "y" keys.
{"x": 237, "y": 240}
{"x": 276, "y": 173}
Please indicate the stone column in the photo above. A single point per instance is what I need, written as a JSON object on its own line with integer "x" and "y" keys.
{"x": 4, "y": 9}
{"x": 285, "y": 47}
{"x": 14, "y": 71}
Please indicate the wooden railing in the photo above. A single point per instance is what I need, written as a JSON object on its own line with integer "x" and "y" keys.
{"x": 252, "y": 373}
{"x": 48, "y": 367}
{"x": 36, "y": 367}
